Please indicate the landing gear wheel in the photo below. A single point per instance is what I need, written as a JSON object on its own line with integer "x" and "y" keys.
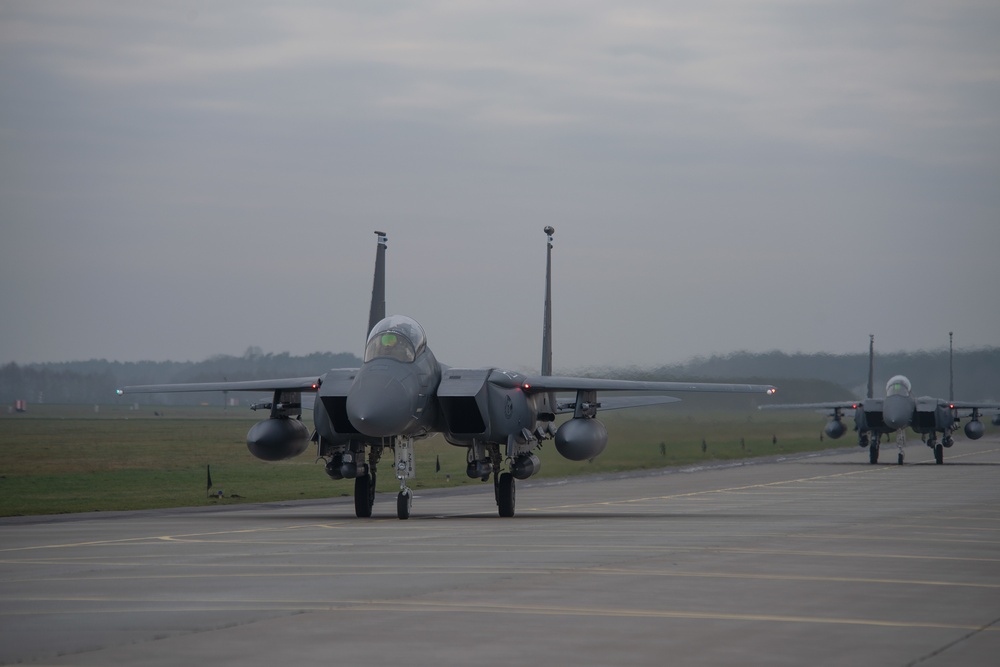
{"x": 404, "y": 501}
{"x": 364, "y": 496}
{"x": 899, "y": 458}
{"x": 938, "y": 454}
{"x": 873, "y": 453}
{"x": 505, "y": 495}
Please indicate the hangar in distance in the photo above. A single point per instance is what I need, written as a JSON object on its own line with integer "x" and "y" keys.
{"x": 402, "y": 394}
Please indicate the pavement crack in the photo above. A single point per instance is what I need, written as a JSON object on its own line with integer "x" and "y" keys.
{"x": 966, "y": 636}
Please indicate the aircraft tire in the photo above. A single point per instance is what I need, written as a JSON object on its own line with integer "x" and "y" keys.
{"x": 404, "y": 501}
{"x": 873, "y": 453}
{"x": 899, "y": 458}
{"x": 938, "y": 454}
{"x": 363, "y": 496}
{"x": 505, "y": 495}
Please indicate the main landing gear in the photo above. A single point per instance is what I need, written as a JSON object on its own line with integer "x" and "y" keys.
{"x": 938, "y": 447}
{"x": 364, "y": 495}
{"x": 503, "y": 486}
{"x": 485, "y": 460}
{"x": 364, "y": 484}
{"x": 938, "y": 450}
{"x": 503, "y": 483}
{"x": 872, "y": 443}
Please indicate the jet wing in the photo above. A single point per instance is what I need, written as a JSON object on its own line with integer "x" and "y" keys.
{"x": 966, "y": 405}
{"x": 307, "y": 384}
{"x": 552, "y": 383}
{"x": 842, "y": 405}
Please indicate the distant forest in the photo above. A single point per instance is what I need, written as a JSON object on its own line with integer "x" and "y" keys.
{"x": 95, "y": 381}
{"x": 800, "y": 377}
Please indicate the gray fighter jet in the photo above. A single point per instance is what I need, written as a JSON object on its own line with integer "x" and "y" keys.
{"x": 899, "y": 410}
{"x": 402, "y": 393}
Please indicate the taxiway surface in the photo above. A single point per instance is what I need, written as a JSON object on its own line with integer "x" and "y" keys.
{"x": 821, "y": 560}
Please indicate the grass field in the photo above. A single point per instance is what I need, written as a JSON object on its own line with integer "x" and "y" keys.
{"x": 58, "y": 459}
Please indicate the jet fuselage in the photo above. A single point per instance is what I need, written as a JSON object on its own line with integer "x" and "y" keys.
{"x": 900, "y": 410}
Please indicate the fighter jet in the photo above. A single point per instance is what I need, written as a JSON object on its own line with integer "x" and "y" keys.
{"x": 899, "y": 410}
{"x": 402, "y": 394}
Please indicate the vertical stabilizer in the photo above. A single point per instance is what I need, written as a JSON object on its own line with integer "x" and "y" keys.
{"x": 377, "y": 311}
{"x": 547, "y": 324}
{"x": 951, "y": 369}
{"x": 871, "y": 365}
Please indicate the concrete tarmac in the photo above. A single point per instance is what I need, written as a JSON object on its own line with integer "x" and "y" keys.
{"x": 818, "y": 560}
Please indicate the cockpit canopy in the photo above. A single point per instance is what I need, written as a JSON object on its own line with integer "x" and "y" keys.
{"x": 397, "y": 337}
{"x": 897, "y": 385}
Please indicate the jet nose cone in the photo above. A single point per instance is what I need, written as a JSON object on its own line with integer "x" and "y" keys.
{"x": 897, "y": 412}
{"x": 379, "y": 406}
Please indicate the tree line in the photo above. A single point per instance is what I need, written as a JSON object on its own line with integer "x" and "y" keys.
{"x": 96, "y": 380}
{"x": 800, "y": 377}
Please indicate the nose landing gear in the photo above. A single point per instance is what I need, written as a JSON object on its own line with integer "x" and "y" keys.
{"x": 404, "y": 502}
{"x": 403, "y": 449}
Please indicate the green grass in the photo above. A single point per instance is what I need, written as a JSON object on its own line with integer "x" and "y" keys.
{"x": 58, "y": 459}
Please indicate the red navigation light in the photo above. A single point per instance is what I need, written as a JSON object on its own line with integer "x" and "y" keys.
{"x": 526, "y": 386}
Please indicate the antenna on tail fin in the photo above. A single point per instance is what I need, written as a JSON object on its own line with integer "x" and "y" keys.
{"x": 377, "y": 312}
{"x": 547, "y": 324}
{"x": 871, "y": 365}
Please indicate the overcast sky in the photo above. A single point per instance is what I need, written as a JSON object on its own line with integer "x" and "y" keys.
{"x": 182, "y": 179}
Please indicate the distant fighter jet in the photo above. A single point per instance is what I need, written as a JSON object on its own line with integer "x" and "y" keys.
{"x": 899, "y": 410}
{"x": 402, "y": 393}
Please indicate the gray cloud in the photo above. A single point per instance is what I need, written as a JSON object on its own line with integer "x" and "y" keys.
{"x": 179, "y": 180}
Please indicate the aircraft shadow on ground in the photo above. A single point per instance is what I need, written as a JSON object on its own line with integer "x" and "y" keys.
{"x": 956, "y": 463}
{"x": 893, "y": 464}
{"x": 522, "y": 515}
{"x": 529, "y": 515}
